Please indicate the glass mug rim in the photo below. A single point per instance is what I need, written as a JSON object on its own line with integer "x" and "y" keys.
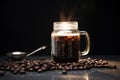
{"x": 65, "y": 25}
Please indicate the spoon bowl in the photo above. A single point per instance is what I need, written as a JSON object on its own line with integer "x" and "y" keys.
{"x": 18, "y": 55}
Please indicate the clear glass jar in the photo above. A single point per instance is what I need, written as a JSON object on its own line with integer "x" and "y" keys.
{"x": 65, "y": 42}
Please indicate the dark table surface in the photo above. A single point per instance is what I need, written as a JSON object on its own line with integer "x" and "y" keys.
{"x": 92, "y": 74}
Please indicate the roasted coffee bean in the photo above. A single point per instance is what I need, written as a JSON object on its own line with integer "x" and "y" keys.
{"x": 22, "y": 65}
{"x": 7, "y": 68}
{"x": 28, "y": 63}
{"x": 89, "y": 66}
{"x": 28, "y": 67}
{"x": 60, "y": 67}
{"x": 66, "y": 67}
{"x": 12, "y": 69}
{"x": 0, "y": 64}
{"x": 68, "y": 63}
{"x": 57, "y": 64}
{"x": 74, "y": 64}
{"x": 22, "y": 71}
{"x": 45, "y": 65}
{"x": 31, "y": 69}
{"x": 36, "y": 63}
{"x": 39, "y": 70}
{"x": 17, "y": 69}
{"x": 70, "y": 67}
{"x": 75, "y": 68}
{"x": 81, "y": 68}
{"x": 85, "y": 67}
{"x": 2, "y": 72}
{"x": 63, "y": 64}
{"x": 36, "y": 67}
{"x": 16, "y": 66}
{"x": 52, "y": 68}
{"x": 112, "y": 66}
{"x": 43, "y": 68}
{"x": 64, "y": 72}
{"x": 15, "y": 72}
{"x": 2, "y": 68}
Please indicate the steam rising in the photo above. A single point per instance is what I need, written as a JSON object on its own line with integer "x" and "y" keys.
{"x": 66, "y": 15}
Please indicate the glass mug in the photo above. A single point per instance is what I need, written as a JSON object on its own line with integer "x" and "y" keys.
{"x": 65, "y": 42}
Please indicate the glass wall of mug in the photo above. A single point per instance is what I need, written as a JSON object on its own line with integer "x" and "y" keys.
{"x": 65, "y": 42}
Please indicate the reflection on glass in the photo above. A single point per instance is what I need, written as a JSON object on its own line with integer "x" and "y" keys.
{"x": 72, "y": 77}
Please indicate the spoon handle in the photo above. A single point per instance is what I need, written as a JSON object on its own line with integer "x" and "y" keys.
{"x": 42, "y": 47}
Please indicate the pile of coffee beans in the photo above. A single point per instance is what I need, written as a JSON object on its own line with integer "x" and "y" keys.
{"x": 42, "y": 65}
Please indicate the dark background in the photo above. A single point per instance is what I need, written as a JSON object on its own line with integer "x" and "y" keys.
{"x": 25, "y": 25}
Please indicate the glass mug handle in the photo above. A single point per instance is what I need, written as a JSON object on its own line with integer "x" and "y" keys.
{"x": 86, "y": 51}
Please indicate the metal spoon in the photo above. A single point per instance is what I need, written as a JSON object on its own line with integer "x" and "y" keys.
{"x": 18, "y": 55}
{"x": 42, "y": 47}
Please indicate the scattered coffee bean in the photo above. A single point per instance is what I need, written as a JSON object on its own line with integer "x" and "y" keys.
{"x": 112, "y": 67}
{"x": 36, "y": 67}
{"x": 52, "y": 68}
{"x": 64, "y": 72}
{"x": 43, "y": 68}
{"x": 75, "y": 68}
{"x": 7, "y": 68}
{"x": 43, "y": 65}
{"x": 2, "y": 68}
{"x": 2, "y": 72}
{"x": 36, "y": 63}
{"x": 31, "y": 69}
{"x": 39, "y": 70}
{"x": 15, "y": 72}
{"x": 22, "y": 71}
{"x": 60, "y": 67}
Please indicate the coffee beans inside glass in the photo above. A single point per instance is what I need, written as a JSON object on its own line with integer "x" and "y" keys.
{"x": 65, "y": 42}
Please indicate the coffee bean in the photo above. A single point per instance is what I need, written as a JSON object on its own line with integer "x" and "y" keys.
{"x": 0, "y": 64}
{"x": 1, "y": 68}
{"x": 75, "y": 68}
{"x": 112, "y": 66}
{"x": 28, "y": 67}
{"x": 22, "y": 71}
{"x": 16, "y": 66}
{"x": 36, "y": 67}
{"x": 22, "y": 65}
{"x": 81, "y": 68}
{"x": 68, "y": 63}
{"x": 64, "y": 72}
{"x": 15, "y": 72}
{"x": 28, "y": 63}
{"x": 52, "y": 68}
{"x": 39, "y": 70}
{"x": 45, "y": 65}
{"x": 60, "y": 67}
{"x": 70, "y": 67}
{"x": 57, "y": 64}
{"x": 66, "y": 67}
{"x": 36, "y": 63}
{"x": 2, "y": 72}
{"x": 31, "y": 69}
{"x": 8, "y": 68}
{"x": 12, "y": 69}
{"x": 63, "y": 64}
{"x": 43, "y": 68}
